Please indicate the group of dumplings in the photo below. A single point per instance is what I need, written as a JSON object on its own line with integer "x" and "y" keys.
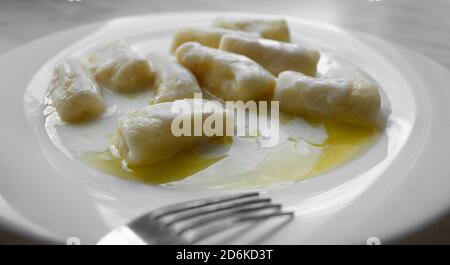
{"x": 236, "y": 59}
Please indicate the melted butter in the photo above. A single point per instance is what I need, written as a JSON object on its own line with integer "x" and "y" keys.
{"x": 286, "y": 164}
{"x": 345, "y": 142}
{"x": 177, "y": 168}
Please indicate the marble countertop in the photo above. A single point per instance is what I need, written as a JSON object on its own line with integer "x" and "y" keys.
{"x": 422, "y": 25}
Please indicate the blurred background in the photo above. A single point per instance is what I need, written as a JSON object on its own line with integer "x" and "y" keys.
{"x": 422, "y": 25}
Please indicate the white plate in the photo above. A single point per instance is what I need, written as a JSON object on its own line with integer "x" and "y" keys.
{"x": 398, "y": 185}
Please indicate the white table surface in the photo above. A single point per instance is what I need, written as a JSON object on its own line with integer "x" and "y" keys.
{"x": 422, "y": 25}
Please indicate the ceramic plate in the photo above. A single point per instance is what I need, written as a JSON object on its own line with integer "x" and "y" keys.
{"x": 399, "y": 184}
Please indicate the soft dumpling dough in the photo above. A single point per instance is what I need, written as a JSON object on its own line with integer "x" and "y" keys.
{"x": 273, "y": 55}
{"x": 275, "y": 29}
{"x": 348, "y": 100}
{"x": 172, "y": 80}
{"x": 144, "y": 136}
{"x": 74, "y": 92}
{"x": 119, "y": 68}
{"x": 226, "y": 75}
{"x": 205, "y": 36}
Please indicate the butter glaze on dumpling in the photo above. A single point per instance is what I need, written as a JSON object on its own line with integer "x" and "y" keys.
{"x": 119, "y": 68}
{"x": 273, "y": 55}
{"x": 74, "y": 92}
{"x": 205, "y": 36}
{"x": 145, "y": 136}
{"x": 172, "y": 80}
{"x": 349, "y": 100}
{"x": 227, "y": 75}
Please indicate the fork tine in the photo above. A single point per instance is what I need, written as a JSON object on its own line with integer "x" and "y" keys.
{"x": 224, "y": 215}
{"x": 200, "y": 233}
{"x": 199, "y": 203}
{"x": 170, "y": 219}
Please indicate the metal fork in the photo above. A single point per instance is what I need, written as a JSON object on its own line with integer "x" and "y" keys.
{"x": 189, "y": 222}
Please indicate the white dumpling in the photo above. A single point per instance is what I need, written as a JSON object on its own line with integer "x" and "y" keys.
{"x": 119, "y": 68}
{"x": 172, "y": 80}
{"x": 226, "y": 75}
{"x": 275, "y": 29}
{"x": 345, "y": 99}
{"x": 273, "y": 55}
{"x": 74, "y": 92}
{"x": 144, "y": 136}
{"x": 205, "y": 36}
